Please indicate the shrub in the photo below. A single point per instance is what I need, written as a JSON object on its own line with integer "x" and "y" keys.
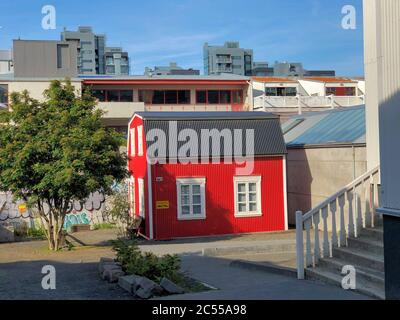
{"x": 147, "y": 264}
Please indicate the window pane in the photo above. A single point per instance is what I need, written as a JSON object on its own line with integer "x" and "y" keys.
{"x": 213, "y": 97}
{"x": 252, "y": 187}
{"x": 225, "y": 97}
{"x": 171, "y": 97}
{"x": 158, "y": 97}
{"x": 99, "y": 94}
{"x": 201, "y": 97}
{"x": 196, "y": 199}
{"x": 253, "y": 207}
{"x": 242, "y": 197}
{"x": 241, "y": 187}
{"x": 113, "y": 95}
{"x": 242, "y": 207}
{"x": 126, "y": 96}
{"x": 185, "y": 200}
{"x": 197, "y": 210}
{"x": 185, "y": 189}
{"x": 145, "y": 96}
{"x": 253, "y": 197}
{"x": 196, "y": 189}
{"x": 186, "y": 210}
{"x": 184, "y": 97}
{"x": 237, "y": 97}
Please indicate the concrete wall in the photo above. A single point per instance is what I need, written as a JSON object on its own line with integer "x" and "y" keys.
{"x": 45, "y": 58}
{"x": 35, "y": 88}
{"x": 316, "y": 174}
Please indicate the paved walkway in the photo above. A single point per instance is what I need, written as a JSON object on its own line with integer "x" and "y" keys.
{"x": 77, "y": 277}
{"x": 239, "y": 284}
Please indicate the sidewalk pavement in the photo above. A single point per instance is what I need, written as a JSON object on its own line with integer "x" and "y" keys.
{"x": 240, "y": 284}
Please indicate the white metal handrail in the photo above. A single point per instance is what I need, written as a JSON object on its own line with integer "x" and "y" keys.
{"x": 357, "y": 203}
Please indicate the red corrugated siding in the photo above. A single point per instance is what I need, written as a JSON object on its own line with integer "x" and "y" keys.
{"x": 219, "y": 200}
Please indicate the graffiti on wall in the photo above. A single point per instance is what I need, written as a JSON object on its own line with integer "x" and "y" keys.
{"x": 76, "y": 218}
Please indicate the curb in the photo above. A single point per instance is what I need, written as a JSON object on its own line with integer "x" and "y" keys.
{"x": 268, "y": 248}
{"x": 264, "y": 267}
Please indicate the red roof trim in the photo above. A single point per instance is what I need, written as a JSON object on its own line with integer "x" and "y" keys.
{"x": 164, "y": 82}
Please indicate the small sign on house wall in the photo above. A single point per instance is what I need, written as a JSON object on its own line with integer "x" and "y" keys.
{"x": 162, "y": 205}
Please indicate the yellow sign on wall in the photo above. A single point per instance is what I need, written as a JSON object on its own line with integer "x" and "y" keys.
{"x": 162, "y": 205}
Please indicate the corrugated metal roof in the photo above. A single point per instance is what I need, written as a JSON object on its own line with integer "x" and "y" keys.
{"x": 340, "y": 126}
{"x": 268, "y": 137}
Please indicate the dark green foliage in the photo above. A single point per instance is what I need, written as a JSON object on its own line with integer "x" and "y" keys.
{"x": 56, "y": 151}
{"x": 147, "y": 264}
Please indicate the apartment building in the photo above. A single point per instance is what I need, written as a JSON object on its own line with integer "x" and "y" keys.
{"x": 117, "y": 61}
{"x": 6, "y": 62}
{"x": 94, "y": 57}
{"x": 171, "y": 69}
{"x": 229, "y": 58}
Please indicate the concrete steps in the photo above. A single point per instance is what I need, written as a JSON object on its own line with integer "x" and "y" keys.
{"x": 365, "y": 254}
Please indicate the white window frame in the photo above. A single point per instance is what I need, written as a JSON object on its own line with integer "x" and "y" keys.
{"x": 191, "y": 181}
{"x": 247, "y": 180}
{"x": 141, "y": 197}
{"x": 140, "y": 140}
{"x": 133, "y": 142}
{"x": 132, "y": 202}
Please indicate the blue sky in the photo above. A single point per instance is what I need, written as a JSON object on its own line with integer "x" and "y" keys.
{"x": 156, "y": 32}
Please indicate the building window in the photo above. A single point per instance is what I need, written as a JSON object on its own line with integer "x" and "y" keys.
{"x": 113, "y": 95}
{"x": 133, "y": 142}
{"x": 141, "y": 198}
{"x": 99, "y": 95}
{"x": 132, "y": 206}
{"x": 201, "y": 97}
{"x": 237, "y": 97}
{"x": 3, "y": 94}
{"x": 225, "y": 97}
{"x": 191, "y": 198}
{"x": 140, "y": 140}
{"x": 126, "y": 96}
{"x": 164, "y": 96}
{"x": 247, "y": 196}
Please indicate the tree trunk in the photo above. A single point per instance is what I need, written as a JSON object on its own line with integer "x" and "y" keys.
{"x": 53, "y": 225}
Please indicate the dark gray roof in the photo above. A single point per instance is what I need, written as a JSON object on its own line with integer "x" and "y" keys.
{"x": 268, "y": 137}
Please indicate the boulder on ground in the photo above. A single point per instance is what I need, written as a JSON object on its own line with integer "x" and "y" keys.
{"x": 129, "y": 283}
{"x": 170, "y": 287}
{"x": 112, "y": 273}
{"x": 147, "y": 289}
{"x": 107, "y": 262}
{"x": 140, "y": 286}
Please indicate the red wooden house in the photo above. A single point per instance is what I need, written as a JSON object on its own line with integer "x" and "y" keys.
{"x": 188, "y": 178}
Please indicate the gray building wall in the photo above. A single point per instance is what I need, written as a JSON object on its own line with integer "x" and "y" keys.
{"x": 229, "y": 58}
{"x": 315, "y": 174}
{"x": 36, "y": 58}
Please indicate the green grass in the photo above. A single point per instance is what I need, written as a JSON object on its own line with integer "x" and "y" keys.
{"x": 104, "y": 226}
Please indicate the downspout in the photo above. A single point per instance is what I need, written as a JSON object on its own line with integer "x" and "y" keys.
{"x": 354, "y": 162}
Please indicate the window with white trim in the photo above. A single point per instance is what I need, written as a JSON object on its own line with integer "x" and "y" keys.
{"x": 141, "y": 197}
{"x": 140, "y": 140}
{"x": 191, "y": 198}
{"x": 247, "y": 196}
{"x": 133, "y": 143}
{"x": 132, "y": 204}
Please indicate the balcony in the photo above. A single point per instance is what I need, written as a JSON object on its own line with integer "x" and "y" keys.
{"x": 305, "y": 103}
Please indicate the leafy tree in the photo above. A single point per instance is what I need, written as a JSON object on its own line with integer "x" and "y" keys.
{"x": 57, "y": 151}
